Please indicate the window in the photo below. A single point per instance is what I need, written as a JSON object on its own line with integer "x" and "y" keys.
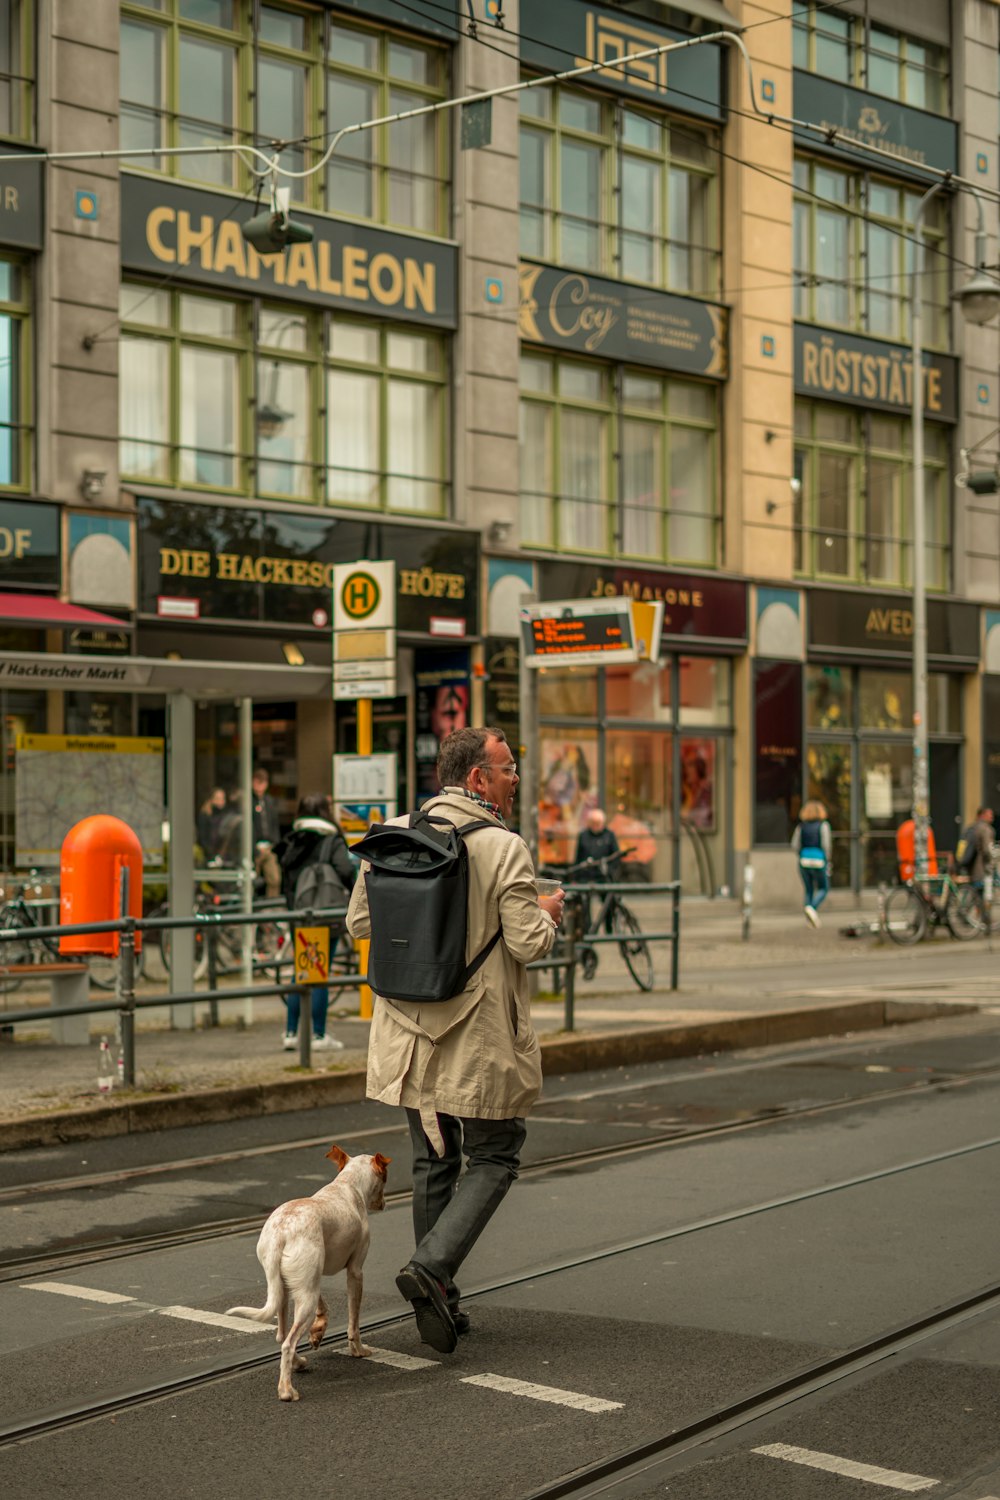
{"x": 624, "y": 468}
{"x": 15, "y": 378}
{"x": 607, "y": 187}
{"x": 853, "y": 511}
{"x": 204, "y": 72}
{"x": 900, "y": 67}
{"x": 854, "y": 254}
{"x": 17, "y": 69}
{"x": 220, "y": 394}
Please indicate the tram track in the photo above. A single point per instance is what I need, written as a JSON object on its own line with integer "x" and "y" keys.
{"x": 612, "y": 1472}
{"x": 99, "y": 1252}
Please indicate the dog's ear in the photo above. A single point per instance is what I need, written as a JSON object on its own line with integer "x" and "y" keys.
{"x": 380, "y": 1165}
{"x": 340, "y": 1157}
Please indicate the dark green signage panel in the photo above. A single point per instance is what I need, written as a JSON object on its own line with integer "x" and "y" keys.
{"x": 913, "y": 138}
{"x": 414, "y": 15}
{"x": 565, "y": 34}
{"x": 29, "y": 544}
{"x": 866, "y": 372}
{"x": 22, "y": 196}
{"x": 195, "y": 236}
{"x": 568, "y": 310}
{"x": 224, "y": 563}
{"x": 846, "y": 624}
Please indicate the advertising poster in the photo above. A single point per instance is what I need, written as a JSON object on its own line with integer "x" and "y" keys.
{"x": 442, "y": 681}
{"x": 698, "y": 783}
{"x": 567, "y": 788}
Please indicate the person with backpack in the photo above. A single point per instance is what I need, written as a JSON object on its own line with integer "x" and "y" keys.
{"x": 317, "y": 871}
{"x": 448, "y": 897}
{"x": 813, "y": 843}
{"x": 974, "y": 856}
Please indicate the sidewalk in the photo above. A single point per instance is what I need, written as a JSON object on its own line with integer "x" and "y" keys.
{"x": 787, "y": 983}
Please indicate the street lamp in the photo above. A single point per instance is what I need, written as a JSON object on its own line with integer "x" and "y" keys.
{"x": 979, "y": 300}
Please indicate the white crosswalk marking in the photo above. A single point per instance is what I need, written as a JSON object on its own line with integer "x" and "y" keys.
{"x": 890, "y": 1479}
{"x": 393, "y": 1357}
{"x": 62, "y": 1289}
{"x": 548, "y": 1393}
{"x": 216, "y": 1320}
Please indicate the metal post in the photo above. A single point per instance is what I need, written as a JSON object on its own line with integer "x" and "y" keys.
{"x": 180, "y": 783}
{"x": 365, "y": 731}
{"x": 921, "y": 767}
{"x": 305, "y": 1025}
{"x": 569, "y": 992}
{"x": 528, "y": 769}
{"x": 675, "y": 939}
{"x": 212, "y": 950}
{"x": 126, "y": 984}
{"x": 246, "y": 845}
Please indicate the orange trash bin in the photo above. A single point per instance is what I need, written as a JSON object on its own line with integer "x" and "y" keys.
{"x": 93, "y": 854}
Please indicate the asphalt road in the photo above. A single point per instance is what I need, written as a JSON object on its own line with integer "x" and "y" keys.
{"x": 642, "y": 1292}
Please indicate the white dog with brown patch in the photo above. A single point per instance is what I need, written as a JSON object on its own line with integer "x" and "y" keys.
{"x": 308, "y": 1238}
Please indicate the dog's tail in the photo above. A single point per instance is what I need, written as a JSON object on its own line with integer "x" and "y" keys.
{"x": 265, "y": 1314}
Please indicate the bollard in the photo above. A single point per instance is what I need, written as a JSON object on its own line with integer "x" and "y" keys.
{"x": 213, "y": 974}
{"x": 675, "y": 939}
{"x": 305, "y": 1025}
{"x": 746, "y": 908}
{"x": 126, "y": 986}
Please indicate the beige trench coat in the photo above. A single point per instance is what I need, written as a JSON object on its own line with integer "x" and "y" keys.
{"x": 477, "y": 1054}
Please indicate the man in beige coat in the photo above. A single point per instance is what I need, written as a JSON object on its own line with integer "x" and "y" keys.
{"x": 466, "y": 1070}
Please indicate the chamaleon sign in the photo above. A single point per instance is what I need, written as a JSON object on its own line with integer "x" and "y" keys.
{"x": 196, "y": 235}
{"x": 364, "y": 630}
{"x": 582, "y": 631}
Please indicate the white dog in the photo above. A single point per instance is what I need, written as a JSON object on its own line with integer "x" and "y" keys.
{"x": 308, "y": 1238}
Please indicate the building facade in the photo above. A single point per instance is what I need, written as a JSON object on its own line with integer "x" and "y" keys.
{"x": 643, "y": 332}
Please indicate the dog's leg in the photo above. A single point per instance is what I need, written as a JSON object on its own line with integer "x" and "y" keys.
{"x": 290, "y": 1360}
{"x": 355, "y": 1286}
{"x": 318, "y": 1328}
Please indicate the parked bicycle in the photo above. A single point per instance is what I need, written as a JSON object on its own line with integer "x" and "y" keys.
{"x": 914, "y": 909}
{"x": 21, "y": 914}
{"x": 613, "y": 917}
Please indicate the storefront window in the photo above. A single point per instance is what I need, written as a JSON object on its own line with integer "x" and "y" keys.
{"x": 706, "y": 695}
{"x": 829, "y": 698}
{"x": 191, "y": 372}
{"x": 654, "y": 441}
{"x": 640, "y": 693}
{"x": 853, "y": 254}
{"x": 838, "y": 46}
{"x": 17, "y": 68}
{"x": 610, "y": 188}
{"x": 853, "y": 509}
{"x": 567, "y": 692}
{"x": 568, "y": 785}
{"x": 183, "y": 67}
{"x": 15, "y": 380}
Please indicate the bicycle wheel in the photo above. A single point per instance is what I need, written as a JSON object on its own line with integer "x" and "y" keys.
{"x": 965, "y": 914}
{"x": 15, "y": 951}
{"x": 104, "y": 968}
{"x": 905, "y": 916}
{"x": 633, "y": 946}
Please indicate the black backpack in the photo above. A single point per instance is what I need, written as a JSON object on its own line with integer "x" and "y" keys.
{"x": 317, "y": 885}
{"x": 418, "y": 899}
{"x": 965, "y": 854}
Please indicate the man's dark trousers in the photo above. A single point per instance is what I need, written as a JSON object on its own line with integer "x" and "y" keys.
{"x": 448, "y": 1219}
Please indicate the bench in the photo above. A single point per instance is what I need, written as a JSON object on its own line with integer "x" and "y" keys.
{"x": 69, "y": 985}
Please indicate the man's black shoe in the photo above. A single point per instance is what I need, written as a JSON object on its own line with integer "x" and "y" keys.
{"x": 434, "y": 1322}
{"x": 461, "y": 1321}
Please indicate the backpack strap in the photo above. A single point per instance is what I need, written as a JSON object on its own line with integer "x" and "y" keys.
{"x": 481, "y": 957}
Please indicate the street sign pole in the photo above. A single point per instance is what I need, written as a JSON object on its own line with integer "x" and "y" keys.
{"x": 529, "y": 748}
{"x": 364, "y": 748}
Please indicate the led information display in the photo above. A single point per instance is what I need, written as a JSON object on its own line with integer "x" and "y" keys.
{"x": 583, "y": 631}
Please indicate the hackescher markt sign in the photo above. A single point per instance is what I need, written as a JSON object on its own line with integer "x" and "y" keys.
{"x": 196, "y": 236}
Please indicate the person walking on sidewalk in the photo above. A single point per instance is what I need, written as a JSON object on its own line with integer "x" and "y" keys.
{"x": 813, "y": 843}
{"x": 315, "y": 839}
{"x": 466, "y": 1070}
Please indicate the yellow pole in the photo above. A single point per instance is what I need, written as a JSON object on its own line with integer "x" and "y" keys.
{"x": 364, "y": 748}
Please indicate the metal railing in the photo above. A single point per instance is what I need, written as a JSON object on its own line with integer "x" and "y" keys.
{"x": 565, "y": 956}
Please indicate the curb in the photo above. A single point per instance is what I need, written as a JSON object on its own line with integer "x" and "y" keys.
{"x": 580, "y": 1053}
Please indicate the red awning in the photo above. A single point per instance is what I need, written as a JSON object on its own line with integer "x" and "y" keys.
{"x": 42, "y": 609}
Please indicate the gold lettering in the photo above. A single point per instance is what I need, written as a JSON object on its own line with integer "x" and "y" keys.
{"x": 354, "y": 272}
{"x": 170, "y": 561}
{"x": 869, "y": 378}
{"x": 326, "y": 281}
{"x": 10, "y": 199}
{"x": 698, "y": 598}
{"x": 810, "y": 364}
{"x": 189, "y": 239}
{"x": 420, "y": 284}
{"x": 301, "y": 268}
{"x": 14, "y": 541}
{"x": 200, "y": 564}
{"x": 407, "y": 581}
{"x": 826, "y": 367}
{"x": 225, "y": 564}
{"x": 300, "y": 572}
{"x": 281, "y": 571}
{"x": 609, "y": 39}
{"x": 154, "y": 223}
{"x": 264, "y": 570}
{"x": 245, "y": 572}
{"x": 933, "y": 388}
{"x": 842, "y": 379}
{"x": 229, "y": 249}
{"x": 387, "y": 295}
{"x": 897, "y": 394}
